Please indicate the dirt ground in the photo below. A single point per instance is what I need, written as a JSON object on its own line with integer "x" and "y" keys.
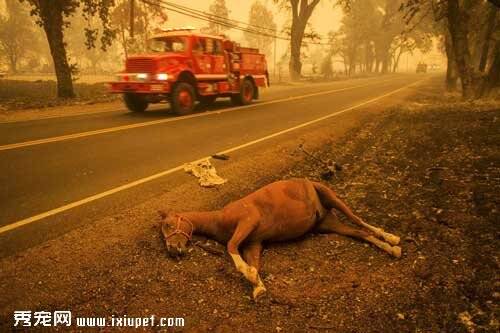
{"x": 426, "y": 169}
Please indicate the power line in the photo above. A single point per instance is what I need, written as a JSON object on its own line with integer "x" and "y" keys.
{"x": 210, "y": 15}
{"x": 207, "y": 18}
{"x": 222, "y": 21}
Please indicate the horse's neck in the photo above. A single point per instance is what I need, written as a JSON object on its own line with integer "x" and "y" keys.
{"x": 206, "y": 223}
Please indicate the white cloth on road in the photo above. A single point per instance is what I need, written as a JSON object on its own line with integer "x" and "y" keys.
{"x": 206, "y": 173}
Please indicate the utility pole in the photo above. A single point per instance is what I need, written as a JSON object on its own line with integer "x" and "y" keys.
{"x": 274, "y": 68}
{"x": 132, "y": 5}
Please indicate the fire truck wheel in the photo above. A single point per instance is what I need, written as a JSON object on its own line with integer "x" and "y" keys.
{"x": 246, "y": 94}
{"x": 183, "y": 98}
{"x": 135, "y": 102}
{"x": 207, "y": 100}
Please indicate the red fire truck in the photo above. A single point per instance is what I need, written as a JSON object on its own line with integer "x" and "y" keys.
{"x": 184, "y": 66}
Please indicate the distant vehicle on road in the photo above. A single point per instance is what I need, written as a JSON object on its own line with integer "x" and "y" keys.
{"x": 422, "y": 67}
{"x": 184, "y": 67}
{"x": 434, "y": 68}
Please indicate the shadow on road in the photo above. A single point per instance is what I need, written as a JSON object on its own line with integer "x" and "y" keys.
{"x": 164, "y": 111}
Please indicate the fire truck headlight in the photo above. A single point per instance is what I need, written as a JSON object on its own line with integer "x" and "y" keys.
{"x": 162, "y": 77}
{"x": 142, "y": 76}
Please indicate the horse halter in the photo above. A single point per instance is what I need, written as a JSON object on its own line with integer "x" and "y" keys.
{"x": 178, "y": 229}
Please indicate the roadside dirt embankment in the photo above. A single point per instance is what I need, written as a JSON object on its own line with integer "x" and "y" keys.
{"x": 425, "y": 168}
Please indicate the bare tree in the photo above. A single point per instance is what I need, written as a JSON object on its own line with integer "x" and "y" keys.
{"x": 301, "y": 12}
{"x": 16, "y": 34}
{"x": 409, "y": 42}
{"x": 120, "y": 21}
{"x": 261, "y": 17}
{"x": 358, "y": 35}
{"x": 451, "y": 68}
{"x": 487, "y": 40}
{"x": 380, "y": 49}
{"x": 220, "y": 13}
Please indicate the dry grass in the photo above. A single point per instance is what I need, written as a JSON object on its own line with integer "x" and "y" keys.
{"x": 16, "y": 94}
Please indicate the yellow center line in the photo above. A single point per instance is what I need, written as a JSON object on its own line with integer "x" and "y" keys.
{"x": 168, "y": 120}
{"x": 101, "y": 195}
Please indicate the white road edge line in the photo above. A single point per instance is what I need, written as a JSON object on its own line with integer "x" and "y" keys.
{"x": 168, "y": 120}
{"x": 101, "y": 195}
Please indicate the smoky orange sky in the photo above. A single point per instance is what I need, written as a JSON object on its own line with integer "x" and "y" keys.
{"x": 326, "y": 17}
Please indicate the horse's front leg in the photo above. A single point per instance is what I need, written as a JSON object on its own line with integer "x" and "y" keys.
{"x": 252, "y": 254}
{"x": 243, "y": 230}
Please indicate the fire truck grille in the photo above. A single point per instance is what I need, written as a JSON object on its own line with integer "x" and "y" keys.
{"x": 138, "y": 65}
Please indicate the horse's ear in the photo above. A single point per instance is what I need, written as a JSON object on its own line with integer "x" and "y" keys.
{"x": 164, "y": 227}
{"x": 162, "y": 214}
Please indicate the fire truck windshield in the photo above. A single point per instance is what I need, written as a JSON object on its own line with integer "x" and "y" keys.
{"x": 168, "y": 44}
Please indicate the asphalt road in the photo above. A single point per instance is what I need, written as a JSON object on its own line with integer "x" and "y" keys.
{"x": 46, "y": 164}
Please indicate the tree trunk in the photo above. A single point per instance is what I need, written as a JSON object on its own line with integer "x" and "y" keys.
{"x": 368, "y": 57}
{"x": 382, "y": 55}
{"x": 124, "y": 42}
{"x": 352, "y": 59}
{"x": 13, "y": 63}
{"x": 52, "y": 20}
{"x": 352, "y": 68}
{"x": 458, "y": 25}
{"x": 493, "y": 78}
{"x": 396, "y": 60}
{"x": 487, "y": 38}
{"x": 295, "y": 65}
{"x": 301, "y": 11}
{"x": 451, "y": 68}
{"x": 385, "y": 64}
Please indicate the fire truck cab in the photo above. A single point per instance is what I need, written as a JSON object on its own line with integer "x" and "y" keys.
{"x": 182, "y": 67}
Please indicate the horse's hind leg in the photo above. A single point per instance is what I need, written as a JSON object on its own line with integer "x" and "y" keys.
{"x": 329, "y": 197}
{"x": 252, "y": 254}
{"x": 331, "y": 223}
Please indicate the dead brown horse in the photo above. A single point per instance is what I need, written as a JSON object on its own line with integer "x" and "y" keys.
{"x": 280, "y": 211}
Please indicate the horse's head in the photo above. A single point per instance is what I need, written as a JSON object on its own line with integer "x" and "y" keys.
{"x": 177, "y": 231}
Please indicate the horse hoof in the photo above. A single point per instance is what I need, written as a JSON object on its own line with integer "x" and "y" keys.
{"x": 258, "y": 292}
{"x": 392, "y": 239}
{"x": 396, "y": 251}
